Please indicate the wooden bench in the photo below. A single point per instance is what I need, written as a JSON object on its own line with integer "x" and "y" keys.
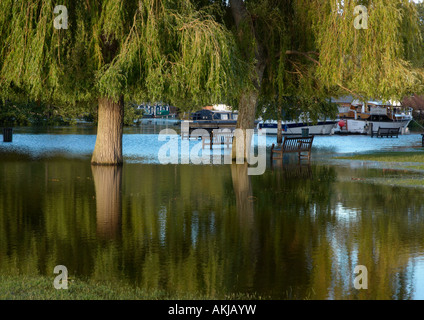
{"x": 7, "y": 134}
{"x": 300, "y": 145}
{"x": 388, "y": 132}
{"x": 218, "y": 137}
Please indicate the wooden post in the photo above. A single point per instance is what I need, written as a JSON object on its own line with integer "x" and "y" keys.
{"x": 211, "y": 137}
{"x": 7, "y": 134}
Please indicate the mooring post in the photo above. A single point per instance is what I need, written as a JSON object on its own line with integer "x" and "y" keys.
{"x": 7, "y": 134}
{"x": 211, "y": 137}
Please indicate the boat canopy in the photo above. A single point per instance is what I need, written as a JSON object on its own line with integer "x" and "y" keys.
{"x": 391, "y": 103}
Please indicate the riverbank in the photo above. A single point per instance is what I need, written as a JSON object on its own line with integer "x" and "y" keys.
{"x": 25, "y": 287}
{"x": 405, "y": 159}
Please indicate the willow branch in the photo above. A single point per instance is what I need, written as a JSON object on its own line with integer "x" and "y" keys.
{"x": 304, "y": 54}
{"x": 350, "y": 91}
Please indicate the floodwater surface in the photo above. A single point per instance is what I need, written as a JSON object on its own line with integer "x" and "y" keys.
{"x": 294, "y": 232}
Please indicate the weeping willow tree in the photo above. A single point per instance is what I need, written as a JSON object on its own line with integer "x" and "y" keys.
{"x": 311, "y": 49}
{"x": 190, "y": 53}
{"x": 148, "y": 50}
{"x": 383, "y": 61}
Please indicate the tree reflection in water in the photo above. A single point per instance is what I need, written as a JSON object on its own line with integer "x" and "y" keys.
{"x": 293, "y": 232}
{"x": 108, "y": 186}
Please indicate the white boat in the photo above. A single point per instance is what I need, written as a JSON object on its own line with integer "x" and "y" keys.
{"x": 215, "y": 116}
{"x": 359, "y": 117}
{"x": 322, "y": 127}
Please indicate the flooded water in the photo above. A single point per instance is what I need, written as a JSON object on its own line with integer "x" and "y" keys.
{"x": 294, "y": 232}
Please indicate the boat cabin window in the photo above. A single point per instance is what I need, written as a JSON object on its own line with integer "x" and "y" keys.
{"x": 202, "y": 115}
{"x": 375, "y": 117}
{"x": 220, "y": 116}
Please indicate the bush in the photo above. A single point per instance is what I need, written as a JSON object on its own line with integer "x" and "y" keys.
{"x": 14, "y": 115}
{"x": 32, "y": 113}
{"x": 132, "y": 115}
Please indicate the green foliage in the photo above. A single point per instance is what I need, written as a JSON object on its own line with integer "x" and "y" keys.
{"x": 153, "y": 50}
{"x": 313, "y": 51}
{"x": 295, "y": 107}
{"x": 132, "y": 114}
{"x": 12, "y": 115}
{"x": 23, "y": 113}
{"x": 381, "y": 62}
{"x": 190, "y": 53}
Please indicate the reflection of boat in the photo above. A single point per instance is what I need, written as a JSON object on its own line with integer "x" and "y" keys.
{"x": 322, "y": 127}
{"x": 360, "y": 117}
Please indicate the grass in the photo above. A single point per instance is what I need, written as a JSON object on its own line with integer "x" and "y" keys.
{"x": 41, "y": 288}
{"x": 399, "y": 182}
{"x": 400, "y": 157}
{"x": 402, "y": 160}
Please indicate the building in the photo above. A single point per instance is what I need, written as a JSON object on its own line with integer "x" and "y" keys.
{"x": 158, "y": 110}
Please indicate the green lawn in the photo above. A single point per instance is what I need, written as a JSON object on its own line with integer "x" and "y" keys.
{"x": 41, "y": 288}
{"x": 415, "y": 159}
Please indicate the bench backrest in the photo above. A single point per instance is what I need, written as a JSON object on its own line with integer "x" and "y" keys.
{"x": 388, "y": 130}
{"x": 223, "y": 135}
{"x": 297, "y": 144}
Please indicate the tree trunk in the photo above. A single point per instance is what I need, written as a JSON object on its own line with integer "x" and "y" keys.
{"x": 248, "y": 99}
{"x": 279, "y": 128}
{"x": 245, "y": 120}
{"x": 108, "y": 149}
{"x": 279, "y": 132}
{"x": 108, "y": 185}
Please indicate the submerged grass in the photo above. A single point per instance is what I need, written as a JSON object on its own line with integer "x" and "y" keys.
{"x": 401, "y": 157}
{"x": 406, "y": 161}
{"x": 399, "y": 182}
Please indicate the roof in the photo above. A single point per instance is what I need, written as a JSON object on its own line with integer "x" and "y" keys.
{"x": 357, "y": 102}
{"x": 378, "y": 103}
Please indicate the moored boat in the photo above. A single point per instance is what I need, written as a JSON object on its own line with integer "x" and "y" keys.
{"x": 362, "y": 117}
{"x": 322, "y": 127}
